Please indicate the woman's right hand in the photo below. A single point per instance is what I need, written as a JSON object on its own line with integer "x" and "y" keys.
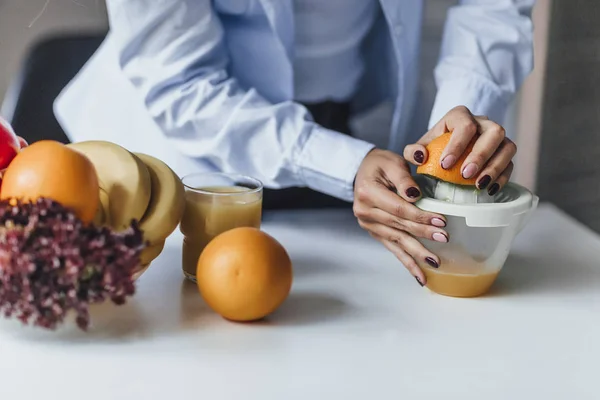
{"x": 384, "y": 193}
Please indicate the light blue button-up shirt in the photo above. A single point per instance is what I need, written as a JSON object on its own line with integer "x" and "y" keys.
{"x": 209, "y": 84}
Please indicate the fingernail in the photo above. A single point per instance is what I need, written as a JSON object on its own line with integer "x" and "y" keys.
{"x": 483, "y": 182}
{"x": 470, "y": 170}
{"x": 440, "y": 223}
{"x": 419, "y": 156}
{"x": 494, "y": 189}
{"x": 432, "y": 262}
{"x": 413, "y": 192}
{"x": 419, "y": 281}
{"x": 448, "y": 161}
{"x": 440, "y": 237}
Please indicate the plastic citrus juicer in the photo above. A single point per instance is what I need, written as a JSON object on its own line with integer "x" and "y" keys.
{"x": 481, "y": 229}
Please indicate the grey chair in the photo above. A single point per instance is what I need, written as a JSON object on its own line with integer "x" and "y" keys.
{"x": 48, "y": 66}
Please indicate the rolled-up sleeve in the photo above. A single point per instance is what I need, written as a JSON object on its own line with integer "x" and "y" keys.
{"x": 486, "y": 54}
{"x": 173, "y": 53}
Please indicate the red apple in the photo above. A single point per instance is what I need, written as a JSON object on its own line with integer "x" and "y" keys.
{"x": 9, "y": 144}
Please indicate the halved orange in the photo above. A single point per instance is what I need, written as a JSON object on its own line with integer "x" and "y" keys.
{"x": 433, "y": 166}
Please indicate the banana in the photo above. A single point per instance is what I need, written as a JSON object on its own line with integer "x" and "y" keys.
{"x": 151, "y": 252}
{"x": 102, "y": 212}
{"x": 148, "y": 255}
{"x": 136, "y": 186}
{"x": 140, "y": 272}
{"x": 167, "y": 201}
{"x": 123, "y": 177}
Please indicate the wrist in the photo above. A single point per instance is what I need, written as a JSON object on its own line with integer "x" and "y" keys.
{"x": 361, "y": 164}
{"x": 329, "y": 162}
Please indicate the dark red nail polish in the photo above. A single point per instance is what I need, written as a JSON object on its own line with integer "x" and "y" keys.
{"x": 419, "y": 281}
{"x": 413, "y": 192}
{"x": 483, "y": 182}
{"x": 432, "y": 262}
{"x": 419, "y": 156}
{"x": 494, "y": 189}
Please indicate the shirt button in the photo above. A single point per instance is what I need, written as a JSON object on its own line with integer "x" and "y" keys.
{"x": 399, "y": 29}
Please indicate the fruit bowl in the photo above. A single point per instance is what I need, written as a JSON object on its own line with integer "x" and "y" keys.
{"x": 81, "y": 237}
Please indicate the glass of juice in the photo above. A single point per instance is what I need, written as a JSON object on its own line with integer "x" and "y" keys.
{"x": 215, "y": 203}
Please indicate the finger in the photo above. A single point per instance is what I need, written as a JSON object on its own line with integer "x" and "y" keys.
{"x": 398, "y": 176}
{"x": 497, "y": 164}
{"x": 425, "y": 231}
{"x": 464, "y": 127}
{"x": 408, "y": 262}
{"x": 447, "y": 124}
{"x": 502, "y": 180}
{"x": 394, "y": 205}
{"x": 491, "y": 137}
{"x": 408, "y": 244}
{"x": 406, "y": 259}
{"x": 415, "y": 154}
{"x": 437, "y": 130}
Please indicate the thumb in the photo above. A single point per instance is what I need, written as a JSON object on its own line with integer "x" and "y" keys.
{"x": 401, "y": 179}
{"x": 415, "y": 154}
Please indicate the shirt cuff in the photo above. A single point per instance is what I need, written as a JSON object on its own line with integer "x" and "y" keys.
{"x": 329, "y": 160}
{"x": 480, "y": 97}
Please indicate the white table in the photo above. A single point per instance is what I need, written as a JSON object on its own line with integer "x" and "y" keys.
{"x": 355, "y": 326}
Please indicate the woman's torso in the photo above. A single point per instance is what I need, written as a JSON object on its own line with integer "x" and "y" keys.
{"x": 328, "y": 62}
{"x": 101, "y": 104}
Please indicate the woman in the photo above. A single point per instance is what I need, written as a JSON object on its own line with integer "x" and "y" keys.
{"x": 266, "y": 88}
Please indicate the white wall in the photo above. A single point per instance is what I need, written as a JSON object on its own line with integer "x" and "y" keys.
{"x": 531, "y": 102}
{"x": 17, "y": 32}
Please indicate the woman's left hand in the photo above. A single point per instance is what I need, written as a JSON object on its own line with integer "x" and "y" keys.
{"x": 491, "y": 158}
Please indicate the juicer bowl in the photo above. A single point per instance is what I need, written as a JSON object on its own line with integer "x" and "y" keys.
{"x": 470, "y": 261}
{"x": 480, "y": 238}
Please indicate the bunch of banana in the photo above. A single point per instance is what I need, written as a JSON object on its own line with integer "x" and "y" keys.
{"x": 136, "y": 186}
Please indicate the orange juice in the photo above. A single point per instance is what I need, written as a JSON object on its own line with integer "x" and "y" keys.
{"x": 459, "y": 275}
{"x": 459, "y": 285}
{"x": 211, "y": 211}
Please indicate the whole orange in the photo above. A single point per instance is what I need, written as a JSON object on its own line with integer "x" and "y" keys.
{"x": 244, "y": 274}
{"x": 433, "y": 166}
{"x": 52, "y": 170}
